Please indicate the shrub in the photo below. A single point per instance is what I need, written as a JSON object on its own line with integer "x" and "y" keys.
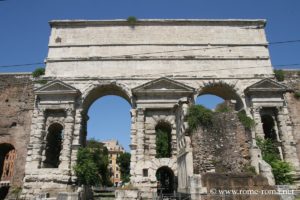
{"x": 247, "y": 122}
{"x": 38, "y": 72}
{"x": 199, "y": 115}
{"x": 132, "y": 20}
{"x": 279, "y": 75}
{"x": 281, "y": 169}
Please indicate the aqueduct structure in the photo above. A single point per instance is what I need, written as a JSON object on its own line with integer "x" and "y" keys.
{"x": 159, "y": 67}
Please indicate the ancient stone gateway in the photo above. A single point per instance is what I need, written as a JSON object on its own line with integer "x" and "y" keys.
{"x": 159, "y": 67}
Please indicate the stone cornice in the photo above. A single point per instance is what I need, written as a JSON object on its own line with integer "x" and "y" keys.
{"x": 146, "y": 58}
{"x": 258, "y": 23}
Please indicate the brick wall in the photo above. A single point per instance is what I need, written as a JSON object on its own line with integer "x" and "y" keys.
{"x": 292, "y": 80}
{"x": 224, "y": 146}
{"x": 16, "y": 105}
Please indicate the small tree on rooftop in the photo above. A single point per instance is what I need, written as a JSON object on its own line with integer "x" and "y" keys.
{"x": 38, "y": 72}
{"x": 132, "y": 20}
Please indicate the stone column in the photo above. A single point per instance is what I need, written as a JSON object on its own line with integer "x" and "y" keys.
{"x": 36, "y": 144}
{"x": 133, "y": 145}
{"x": 140, "y": 133}
{"x": 76, "y": 140}
{"x": 258, "y": 131}
{"x": 65, "y": 156}
{"x": 288, "y": 141}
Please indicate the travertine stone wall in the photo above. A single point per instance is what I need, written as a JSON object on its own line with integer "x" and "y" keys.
{"x": 221, "y": 48}
{"x": 16, "y": 106}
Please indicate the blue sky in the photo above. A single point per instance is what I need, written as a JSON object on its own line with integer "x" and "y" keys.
{"x": 24, "y": 34}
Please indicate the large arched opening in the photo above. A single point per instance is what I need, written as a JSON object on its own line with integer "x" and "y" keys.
{"x": 7, "y": 159}
{"x": 107, "y": 120}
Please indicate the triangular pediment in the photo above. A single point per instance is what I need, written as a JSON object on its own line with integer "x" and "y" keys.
{"x": 163, "y": 85}
{"x": 56, "y": 87}
{"x": 266, "y": 85}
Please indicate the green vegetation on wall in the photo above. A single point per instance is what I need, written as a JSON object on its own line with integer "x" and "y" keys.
{"x": 38, "y": 72}
{"x": 279, "y": 75}
{"x": 297, "y": 95}
{"x": 281, "y": 169}
{"x": 247, "y": 122}
{"x": 223, "y": 107}
{"x": 199, "y": 115}
{"x": 132, "y": 21}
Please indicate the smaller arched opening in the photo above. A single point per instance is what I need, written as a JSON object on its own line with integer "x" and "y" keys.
{"x": 269, "y": 127}
{"x": 165, "y": 181}
{"x": 53, "y": 146}
{"x": 7, "y": 158}
{"x": 219, "y": 94}
{"x": 163, "y": 132}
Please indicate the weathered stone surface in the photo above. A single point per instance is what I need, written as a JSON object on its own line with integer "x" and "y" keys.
{"x": 159, "y": 67}
{"x": 223, "y": 147}
{"x": 16, "y": 106}
{"x": 127, "y": 194}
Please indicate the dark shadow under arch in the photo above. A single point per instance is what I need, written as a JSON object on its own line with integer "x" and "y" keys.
{"x": 165, "y": 180}
{"x": 5, "y": 150}
{"x": 7, "y": 159}
{"x": 53, "y": 146}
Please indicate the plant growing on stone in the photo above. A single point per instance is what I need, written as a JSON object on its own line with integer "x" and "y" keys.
{"x": 223, "y": 107}
{"x": 199, "y": 115}
{"x": 132, "y": 21}
{"x": 38, "y": 72}
{"x": 247, "y": 122}
{"x": 281, "y": 169}
{"x": 297, "y": 95}
{"x": 279, "y": 75}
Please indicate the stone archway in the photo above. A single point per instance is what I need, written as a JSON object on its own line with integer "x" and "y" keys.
{"x": 7, "y": 160}
{"x": 95, "y": 91}
{"x": 165, "y": 181}
{"x": 222, "y": 89}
